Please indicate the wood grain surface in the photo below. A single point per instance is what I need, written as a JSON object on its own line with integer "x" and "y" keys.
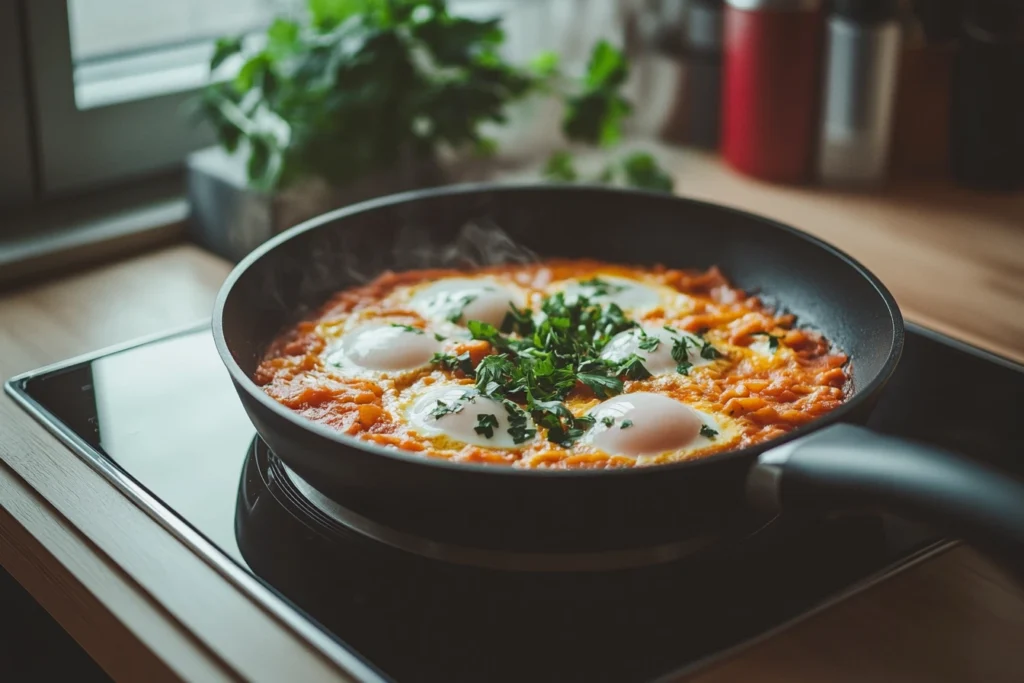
{"x": 148, "y": 609}
{"x": 96, "y": 550}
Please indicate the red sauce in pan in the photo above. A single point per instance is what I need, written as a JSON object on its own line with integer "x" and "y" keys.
{"x": 770, "y": 376}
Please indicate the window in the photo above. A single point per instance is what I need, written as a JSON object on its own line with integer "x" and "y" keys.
{"x": 125, "y": 49}
{"x": 112, "y": 78}
{"x": 94, "y": 92}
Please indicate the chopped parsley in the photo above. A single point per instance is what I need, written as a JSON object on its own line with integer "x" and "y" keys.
{"x": 626, "y": 424}
{"x": 518, "y": 321}
{"x": 681, "y": 355}
{"x": 439, "y": 337}
{"x": 648, "y": 342}
{"x": 603, "y": 386}
{"x": 538, "y": 361}
{"x": 680, "y": 352}
{"x": 608, "y": 421}
{"x": 562, "y": 426}
{"x": 773, "y": 341}
{"x": 407, "y": 328}
{"x": 708, "y": 432}
{"x": 485, "y": 425}
{"x": 518, "y": 423}
{"x": 632, "y": 367}
{"x": 595, "y": 286}
{"x": 486, "y": 332}
{"x": 449, "y": 362}
{"x": 441, "y": 408}
{"x": 458, "y": 306}
{"x": 709, "y": 352}
{"x": 492, "y": 373}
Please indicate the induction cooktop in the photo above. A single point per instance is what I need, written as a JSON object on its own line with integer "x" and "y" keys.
{"x": 160, "y": 419}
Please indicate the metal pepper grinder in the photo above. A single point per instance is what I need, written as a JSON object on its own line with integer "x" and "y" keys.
{"x": 702, "y": 42}
{"x": 861, "y": 67}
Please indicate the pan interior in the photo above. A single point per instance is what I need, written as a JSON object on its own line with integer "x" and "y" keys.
{"x": 822, "y": 287}
{"x": 539, "y": 510}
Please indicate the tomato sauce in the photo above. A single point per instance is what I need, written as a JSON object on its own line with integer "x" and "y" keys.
{"x": 762, "y": 394}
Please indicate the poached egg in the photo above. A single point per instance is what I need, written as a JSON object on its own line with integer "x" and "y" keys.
{"x": 456, "y": 414}
{"x": 658, "y": 347}
{"x": 381, "y": 348}
{"x": 645, "y": 424}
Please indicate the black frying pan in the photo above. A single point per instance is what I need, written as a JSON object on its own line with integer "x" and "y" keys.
{"x": 827, "y": 464}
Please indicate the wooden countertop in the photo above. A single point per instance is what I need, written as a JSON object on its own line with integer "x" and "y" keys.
{"x": 148, "y": 609}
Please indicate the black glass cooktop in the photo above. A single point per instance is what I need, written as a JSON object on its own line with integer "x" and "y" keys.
{"x": 161, "y": 420}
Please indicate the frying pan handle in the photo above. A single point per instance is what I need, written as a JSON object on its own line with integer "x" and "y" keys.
{"x": 848, "y": 467}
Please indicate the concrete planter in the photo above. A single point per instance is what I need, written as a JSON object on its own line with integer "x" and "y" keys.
{"x": 231, "y": 219}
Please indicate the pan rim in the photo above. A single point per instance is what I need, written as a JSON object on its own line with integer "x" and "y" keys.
{"x": 245, "y": 383}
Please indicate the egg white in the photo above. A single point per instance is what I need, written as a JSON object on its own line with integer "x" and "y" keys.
{"x": 378, "y": 349}
{"x": 622, "y": 425}
{"x": 658, "y": 361}
{"x": 728, "y": 431}
{"x": 450, "y": 302}
{"x": 458, "y": 425}
{"x": 634, "y": 296}
{"x": 371, "y": 347}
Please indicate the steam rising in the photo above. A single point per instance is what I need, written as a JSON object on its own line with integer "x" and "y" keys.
{"x": 475, "y": 245}
{"x": 300, "y": 273}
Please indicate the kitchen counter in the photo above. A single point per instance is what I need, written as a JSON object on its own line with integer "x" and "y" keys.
{"x": 146, "y": 608}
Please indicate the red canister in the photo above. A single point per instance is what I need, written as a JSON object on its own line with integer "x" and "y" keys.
{"x": 770, "y": 87}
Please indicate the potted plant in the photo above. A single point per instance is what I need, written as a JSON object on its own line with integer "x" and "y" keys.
{"x": 359, "y": 98}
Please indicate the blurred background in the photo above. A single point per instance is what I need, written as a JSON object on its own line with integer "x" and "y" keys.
{"x": 110, "y": 100}
{"x": 130, "y": 123}
{"x": 95, "y": 91}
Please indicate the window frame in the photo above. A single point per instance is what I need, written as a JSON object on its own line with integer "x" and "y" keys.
{"x": 17, "y": 171}
{"x": 80, "y": 148}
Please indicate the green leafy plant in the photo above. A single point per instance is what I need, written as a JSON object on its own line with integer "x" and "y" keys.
{"x": 595, "y": 113}
{"x": 359, "y": 86}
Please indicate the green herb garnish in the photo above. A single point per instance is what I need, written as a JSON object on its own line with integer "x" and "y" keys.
{"x": 452, "y": 363}
{"x": 773, "y": 341}
{"x": 681, "y": 355}
{"x": 485, "y": 425}
{"x": 709, "y": 352}
{"x": 518, "y": 422}
{"x": 439, "y": 337}
{"x": 441, "y": 408}
{"x": 632, "y": 367}
{"x": 626, "y": 424}
{"x": 708, "y": 432}
{"x": 607, "y": 421}
{"x": 408, "y": 328}
{"x": 517, "y": 321}
{"x": 648, "y": 342}
{"x": 457, "y": 308}
{"x": 603, "y": 386}
{"x": 598, "y": 287}
{"x": 537, "y": 364}
{"x": 562, "y": 426}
